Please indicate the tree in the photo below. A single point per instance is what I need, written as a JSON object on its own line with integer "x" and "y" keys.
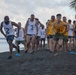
{"x": 73, "y": 5}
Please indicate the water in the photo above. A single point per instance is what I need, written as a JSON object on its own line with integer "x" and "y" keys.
{"x": 4, "y": 46}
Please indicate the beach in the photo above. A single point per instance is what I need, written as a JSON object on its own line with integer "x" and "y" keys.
{"x": 39, "y": 63}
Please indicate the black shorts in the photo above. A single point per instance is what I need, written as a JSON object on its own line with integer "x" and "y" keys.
{"x": 70, "y": 36}
{"x": 38, "y": 37}
{"x": 50, "y": 36}
{"x": 42, "y": 39}
{"x": 31, "y": 35}
{"x": 10, "y": 38}
{"x": 20, "y": 42}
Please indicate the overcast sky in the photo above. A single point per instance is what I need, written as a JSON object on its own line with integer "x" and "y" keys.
{"x": 20, "y": 10}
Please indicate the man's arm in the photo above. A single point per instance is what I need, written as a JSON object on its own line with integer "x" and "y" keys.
{"x": 26, "y": 27}
{"x": 36, "y": 27}
{"x": 66, "y": 28}
{"x": 24, "y": 32}
{"x": 74, "y": 27}
{"x": 16, "y": 25}
{"x": 53, "y": 28}
{"x": 48, "y": 23}
{"x": 1, "y": 29}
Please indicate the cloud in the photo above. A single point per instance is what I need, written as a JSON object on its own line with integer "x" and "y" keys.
{"x": 20, "y": 10}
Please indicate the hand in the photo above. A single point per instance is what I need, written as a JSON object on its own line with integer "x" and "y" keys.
{"x": 36, "y": 34}
{"x": 25, "y": 35}
{"x": 54, "y": 33}
{"x": 5, "y": 36}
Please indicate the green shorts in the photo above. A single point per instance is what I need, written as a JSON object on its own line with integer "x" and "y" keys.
{"x": 20, "y": 42}
{"x": 58, "y": 36}
{"x": 65, "y": 39}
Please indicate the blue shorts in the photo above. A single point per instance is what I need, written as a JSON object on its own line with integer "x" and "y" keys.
{"x": 50, "y": 36}
{"x": 75, "y": 36}
{"x": 10, "y": 38}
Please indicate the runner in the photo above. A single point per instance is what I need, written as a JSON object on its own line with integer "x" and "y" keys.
{"x": 74, "y": 24}
{"x": 38, "y": 38}
{"x": 20, "y": 39}
{"x": 50, "y": 33}
{"x": 71, "y": 35}
{"x": 9, "y": 33}
{"x": 47, "y": 28}
{"x": 43, "y": 33}
{"x": 31, "y": 30}
{"x": 58, "y": 31}
{"x": 65, "y": 40}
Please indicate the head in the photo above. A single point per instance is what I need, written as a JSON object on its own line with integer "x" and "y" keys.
{"x": 52, "y": 17}
{"x": 58, "y": 16}
{"x": 69, "y": 21}
{"x": 19, "y": 23}
{"x": 42, "y": 26}
{"x": 37, "y": 20}
{"x": 32, "y": 17}
{"x": 74, "y": 22}
{"x": 64, "y": 19}
{"x": 6, "y": 19}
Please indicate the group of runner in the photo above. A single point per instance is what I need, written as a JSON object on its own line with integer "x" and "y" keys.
{"x": 58, "y": 32}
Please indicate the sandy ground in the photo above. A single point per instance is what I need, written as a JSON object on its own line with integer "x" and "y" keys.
{"x": 39, "y": 63}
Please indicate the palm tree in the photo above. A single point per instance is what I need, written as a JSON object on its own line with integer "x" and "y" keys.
{"x": 73, "y": 5}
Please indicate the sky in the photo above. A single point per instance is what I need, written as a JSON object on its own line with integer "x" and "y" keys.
{"x": 20, "y": 10}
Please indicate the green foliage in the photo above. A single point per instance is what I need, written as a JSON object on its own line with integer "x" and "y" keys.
{"x": 73, "y": 4}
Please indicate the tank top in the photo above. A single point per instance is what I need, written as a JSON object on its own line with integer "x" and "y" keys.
{"x": 31, "y": 29}
{"x": 8, "y": 28}
{"x": 39, "y": 29}
{"x": 42, "y": 33}
{"x": 70, "y": 33}
{"x": 21, "y": 35}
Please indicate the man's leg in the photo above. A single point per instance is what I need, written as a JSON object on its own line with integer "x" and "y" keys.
{"x": 24, "y": 43}
{"x": 10, "y": 48}
{"x": 27, "y": 42}
{"x": 60, "y": 43}
{"x": 17, "y": 46}
{"x": 55, "y": 43}
{"x": 71, "y": 43}
{"x": 47, "y": 42}
{"x": 51, "y": 44}
{"x": 32, "y": 43}
{"x": 9, "y": 41}
{"x": 66, "y": 44}
{"x": 37, "y": 43}
{"x": 43, "y": 43}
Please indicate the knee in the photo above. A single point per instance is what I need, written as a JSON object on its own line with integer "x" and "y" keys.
{"x": 9, "y": 42}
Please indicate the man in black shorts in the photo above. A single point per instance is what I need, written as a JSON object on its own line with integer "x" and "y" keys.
{"x": 9, "y": 33}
